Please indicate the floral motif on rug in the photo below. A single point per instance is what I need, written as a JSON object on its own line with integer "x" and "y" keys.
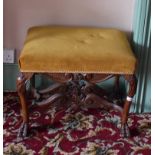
{"x": 68, "y": 132}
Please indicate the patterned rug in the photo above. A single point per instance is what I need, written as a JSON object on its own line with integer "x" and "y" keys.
{"x": 68, "y": 132}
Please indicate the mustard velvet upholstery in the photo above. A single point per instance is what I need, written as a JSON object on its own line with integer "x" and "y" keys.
{"x": 75, "y": 49}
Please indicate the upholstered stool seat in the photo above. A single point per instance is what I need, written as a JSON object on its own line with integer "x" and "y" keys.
{"x": 71, "y": 49}
{"x": 76, "y": 59}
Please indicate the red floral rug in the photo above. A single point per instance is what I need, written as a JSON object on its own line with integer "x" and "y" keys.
{"x": 83, "y": 132}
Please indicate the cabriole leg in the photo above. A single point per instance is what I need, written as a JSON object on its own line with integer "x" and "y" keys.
{"x": 21, "y": 89}
{"x": 131, "y": 92}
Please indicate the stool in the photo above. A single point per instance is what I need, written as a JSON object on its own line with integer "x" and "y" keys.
{"x": 76, "y": 58}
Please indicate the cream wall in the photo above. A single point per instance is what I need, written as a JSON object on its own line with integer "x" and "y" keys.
{"x": 21, "y": 14}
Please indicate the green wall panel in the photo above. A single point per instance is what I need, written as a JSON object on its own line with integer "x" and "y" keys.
{"x": 10, "y": 72}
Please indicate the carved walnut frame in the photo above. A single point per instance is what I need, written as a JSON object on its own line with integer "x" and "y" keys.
{"x": 75, "y": 89}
